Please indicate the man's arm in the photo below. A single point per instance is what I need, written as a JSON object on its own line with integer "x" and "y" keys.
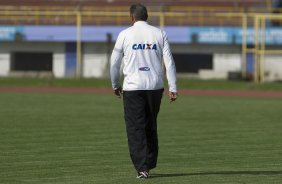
{"x": 116, "y": 60}
{"x": 170, "y": 69}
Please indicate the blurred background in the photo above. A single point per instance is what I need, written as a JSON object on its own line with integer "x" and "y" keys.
{"x": 210, "y": 39}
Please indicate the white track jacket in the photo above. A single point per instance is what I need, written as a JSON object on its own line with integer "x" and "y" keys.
{"x": 142, "y": 48}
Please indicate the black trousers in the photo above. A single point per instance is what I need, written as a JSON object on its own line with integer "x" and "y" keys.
{"x": 141, "y": 109}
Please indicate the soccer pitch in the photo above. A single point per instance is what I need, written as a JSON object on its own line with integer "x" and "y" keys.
{"x": 80, "y": 138}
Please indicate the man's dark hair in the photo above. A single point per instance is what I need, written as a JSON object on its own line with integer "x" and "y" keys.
{"x": 139, "y": 12}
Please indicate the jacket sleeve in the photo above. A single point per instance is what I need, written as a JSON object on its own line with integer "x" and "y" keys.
{"x": 116, "y": 60}
{"x": 169, "y": 64}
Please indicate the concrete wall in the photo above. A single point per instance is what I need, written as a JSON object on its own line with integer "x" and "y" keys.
{"x": 225, "y": 58}
{"x": 58, "y": 50}
{"x": 4, "y": 64}
{"x": 273, "y": 68}
{"x": 96, "y": 56}
{"x": 222, "y": 65}
{"x": 59, "y": 65}
{"x": 95, "y": 60}
{"x": 227, "y": 62}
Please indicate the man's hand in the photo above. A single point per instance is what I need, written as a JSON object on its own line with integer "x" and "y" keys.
{"x": 118, "y": 92}
{"x": 172, "y": 96}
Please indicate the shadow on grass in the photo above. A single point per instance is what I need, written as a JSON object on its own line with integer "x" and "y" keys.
{"x": 216, "y": 173}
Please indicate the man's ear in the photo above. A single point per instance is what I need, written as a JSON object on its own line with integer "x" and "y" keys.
{"x": 132, "y": 19}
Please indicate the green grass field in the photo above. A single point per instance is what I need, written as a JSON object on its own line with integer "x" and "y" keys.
{"x": 80, "y": 138}
{"x": 181, "y": 82}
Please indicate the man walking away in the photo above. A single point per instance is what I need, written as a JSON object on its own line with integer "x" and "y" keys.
{"x": 142, "y": 48}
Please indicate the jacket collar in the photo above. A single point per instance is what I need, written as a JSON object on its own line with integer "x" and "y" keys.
{"x": 140, "y": 22}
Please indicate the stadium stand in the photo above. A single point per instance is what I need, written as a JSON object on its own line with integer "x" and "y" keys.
{"x": 77, "y": 35}
{"x": 199, "y": 11}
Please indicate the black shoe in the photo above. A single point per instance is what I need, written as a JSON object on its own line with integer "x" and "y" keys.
{"x": 143, "y": 175}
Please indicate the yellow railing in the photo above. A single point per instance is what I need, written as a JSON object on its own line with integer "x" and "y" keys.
{"x": 260, "y": 47}
{"x": 260, "y": 51}
{"x": 195, "y": 15}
